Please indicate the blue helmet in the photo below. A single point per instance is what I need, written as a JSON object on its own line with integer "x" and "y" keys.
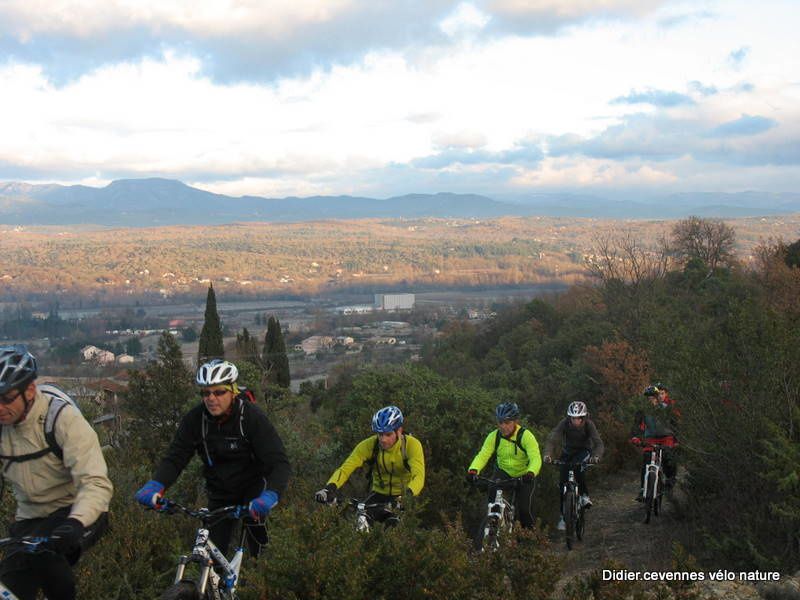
{"x": 387, "y": 419}
{"x": 507, "y": 411}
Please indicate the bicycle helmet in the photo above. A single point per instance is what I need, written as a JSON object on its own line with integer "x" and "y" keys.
{"x": 217, "y": 372}
{"x": 17, "y": 367}
{"x": 507, "y": 411}
{"x": 660, "y": 387}
{"x": 387, "y": 419}
{"x": 651, "y": 390}
{"x": 577, "y": 409}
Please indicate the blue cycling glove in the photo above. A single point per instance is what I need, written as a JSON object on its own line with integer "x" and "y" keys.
{"x": 260, "y": 507}
{"x": 150, "y": 493}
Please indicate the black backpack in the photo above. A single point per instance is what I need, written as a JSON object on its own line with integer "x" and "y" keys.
{"x": 517, "y": 442}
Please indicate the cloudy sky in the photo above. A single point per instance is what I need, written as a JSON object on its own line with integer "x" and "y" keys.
{"x": 382, "y": 97}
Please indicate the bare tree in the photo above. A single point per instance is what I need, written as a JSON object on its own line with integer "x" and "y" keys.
{"x": 708, "y": 240}
{"x": 622, "y": 257}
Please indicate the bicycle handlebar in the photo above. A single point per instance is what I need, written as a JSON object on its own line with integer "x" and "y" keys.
{"x": 584, "y": 463}
{"x": 235, "y": 511}
{"x": 511, "y": 482}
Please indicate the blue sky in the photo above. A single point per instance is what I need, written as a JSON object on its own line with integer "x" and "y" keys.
{"x": 500, "y": 97}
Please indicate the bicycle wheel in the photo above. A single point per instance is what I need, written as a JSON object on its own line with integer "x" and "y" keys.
{"x": 486, "y": 538}
{"x": 184, "y": 590}
{"x": 580, "y": 524}
{"x": 570, "y": 517}
{"x": 649, "y": 497}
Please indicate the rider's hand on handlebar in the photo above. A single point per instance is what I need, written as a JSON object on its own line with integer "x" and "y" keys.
{"x": 548, "y": 459}
{"x": 66, "y": 537}
{"x": 594, "y": 460}
{"x": 472, "y": 476}
{"x": 326, "y": 495}
{"x": 150, "y": 495}
{"x": 636, "y": 441}
{"x": 259, "y": 507}
{"x": 528, "y": 477}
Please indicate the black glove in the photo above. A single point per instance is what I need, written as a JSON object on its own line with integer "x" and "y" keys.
{"x": 472, "y": 476}
{"x": 528, "y": 477}
{"x": 326, "y": 494}
{"x": 66, "y": 537}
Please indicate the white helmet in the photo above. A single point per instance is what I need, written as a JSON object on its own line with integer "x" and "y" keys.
{"x": 217, "y": 372}
{"x": 577, "y": 409}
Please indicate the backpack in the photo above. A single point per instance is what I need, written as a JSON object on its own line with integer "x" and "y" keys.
{"x": 517, "y": 442}
{"x": 242, "y": 399}
{"x": 59, "y": 400}
{"x": 374, "y": 458}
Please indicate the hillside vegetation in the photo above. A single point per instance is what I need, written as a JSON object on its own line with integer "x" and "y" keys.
{"x": 724, "y": 339}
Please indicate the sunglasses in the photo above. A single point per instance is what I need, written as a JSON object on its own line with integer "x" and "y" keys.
{"x": 6, "y": 400}
{"x": 216, "y": 393}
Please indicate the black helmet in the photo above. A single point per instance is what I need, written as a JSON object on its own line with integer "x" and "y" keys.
{"x": 17, "y": 367}
{"x": 507, "y": 411}
{"x": 652, "y": 390}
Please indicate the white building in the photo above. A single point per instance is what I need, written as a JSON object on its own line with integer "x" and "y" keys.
{"x": 394, "y": 301}
{"x": 95, "y": 354}
{"x": 316, "y": 343}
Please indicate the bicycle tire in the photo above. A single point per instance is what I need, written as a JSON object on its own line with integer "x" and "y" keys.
{"x": 184, "y": 590}
{"x": 486, "y": 538}
{"x": 569, "y": 518}
{"x": 580, "y": 526}
{"x": 649, "y": 498}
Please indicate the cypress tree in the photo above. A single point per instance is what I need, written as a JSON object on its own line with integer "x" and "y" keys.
{"x": 274, "y": 356}
{"x": 211, "y": 345}
{"x": 247, "y": 348}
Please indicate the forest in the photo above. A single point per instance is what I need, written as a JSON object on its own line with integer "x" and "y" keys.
{"x": 688, "y": 312}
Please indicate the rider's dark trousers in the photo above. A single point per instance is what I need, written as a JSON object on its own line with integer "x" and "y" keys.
{"x": 25, "y": 574}
{"x": 574, "y": 456}
{"x": 220, "y": 533}
{"x": 523, "y": 501}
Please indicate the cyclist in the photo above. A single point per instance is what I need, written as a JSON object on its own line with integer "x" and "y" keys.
{"x": 516, "y": 453}
{"x": 52, "y": 457}
{"x": 580, "y": 442}
{"x": 244, "y": 461}
{"x": 655, "y": 423}
{"x": 395, "y": 460}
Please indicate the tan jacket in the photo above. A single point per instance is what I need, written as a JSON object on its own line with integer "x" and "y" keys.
{"x": 47, "y": 483}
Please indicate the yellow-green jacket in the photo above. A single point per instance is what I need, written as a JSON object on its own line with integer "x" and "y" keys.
{"x": 510, "y": 457}
{"x": 389, "y": 474}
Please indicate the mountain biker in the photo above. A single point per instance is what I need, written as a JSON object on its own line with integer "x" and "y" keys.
{"x": 395, "y": 459}
{"x": 655, "y": 423}
{"x": 244, "y": 461}
{"x": 516, "y": 453}
{"x": 59, "y": 478}
{"x": 580, "y": 442}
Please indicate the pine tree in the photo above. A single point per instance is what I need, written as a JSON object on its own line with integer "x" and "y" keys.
{"x": 158, "y": 396}
{"x": 274, "y": 356}
{"x": 211, "y": 345}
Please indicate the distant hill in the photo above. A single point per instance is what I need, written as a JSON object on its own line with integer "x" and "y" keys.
{"x": 156, "y": 202}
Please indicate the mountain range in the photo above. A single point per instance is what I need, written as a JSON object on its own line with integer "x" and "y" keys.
{"x": 158, "y": 202}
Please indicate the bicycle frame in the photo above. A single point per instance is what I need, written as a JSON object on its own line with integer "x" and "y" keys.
{"x": 363, "y": 518}
{"x": 499, "y": 513}
{"x": 225, "y": 577}
{"x": 569, "y": 493}
{"x": 654, "y": 472}
{"x": 29, "y": 544}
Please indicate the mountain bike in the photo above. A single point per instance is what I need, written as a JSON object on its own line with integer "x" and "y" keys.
{"x": 27, "y": 544}
{"x": 574, "y": 512}
{"x": 499, "y": 516}
{"x": 653, "y": 488}
{"x": 216, "y": 577}
{"x": 368, "y": 512}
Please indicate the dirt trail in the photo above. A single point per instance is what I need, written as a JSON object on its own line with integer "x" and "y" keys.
{"x": 615, "y": 530}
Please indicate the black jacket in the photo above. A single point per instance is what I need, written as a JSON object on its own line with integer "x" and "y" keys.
{"x": 241, "y": 457}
